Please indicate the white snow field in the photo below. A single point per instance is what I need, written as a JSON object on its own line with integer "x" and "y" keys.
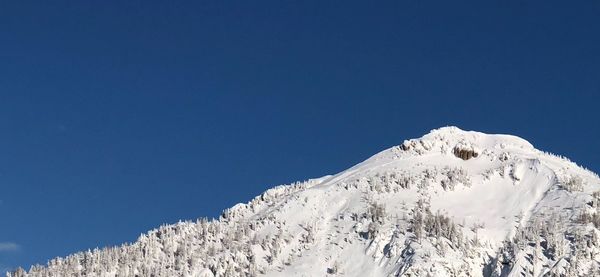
{"x": 452, "y": 203}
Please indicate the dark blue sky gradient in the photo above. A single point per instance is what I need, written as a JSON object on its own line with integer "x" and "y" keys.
{"x": 117, "y": 117}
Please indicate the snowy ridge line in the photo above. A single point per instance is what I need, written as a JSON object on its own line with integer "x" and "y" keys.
{"x": 572, "y": 163}
{"x": 241, "y": 210}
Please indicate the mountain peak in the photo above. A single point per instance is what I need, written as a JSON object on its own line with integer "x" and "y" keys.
{"x": 455, "y": 134}
{"x": 451, "y": 203}
{"x": 453, "y": 139}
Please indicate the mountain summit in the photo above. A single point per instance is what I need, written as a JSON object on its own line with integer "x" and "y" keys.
{"x": 451, "y": 203}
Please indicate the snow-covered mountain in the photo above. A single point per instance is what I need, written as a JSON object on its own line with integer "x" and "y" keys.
{"x": 452, "y": 203}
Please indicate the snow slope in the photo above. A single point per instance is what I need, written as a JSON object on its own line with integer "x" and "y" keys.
{"x": 452, "y": 203}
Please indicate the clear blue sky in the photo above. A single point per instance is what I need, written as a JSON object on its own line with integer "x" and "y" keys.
{"x": 117, "y": 117}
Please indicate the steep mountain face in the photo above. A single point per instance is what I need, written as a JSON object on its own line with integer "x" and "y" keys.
{"x": 452, "y": 203}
